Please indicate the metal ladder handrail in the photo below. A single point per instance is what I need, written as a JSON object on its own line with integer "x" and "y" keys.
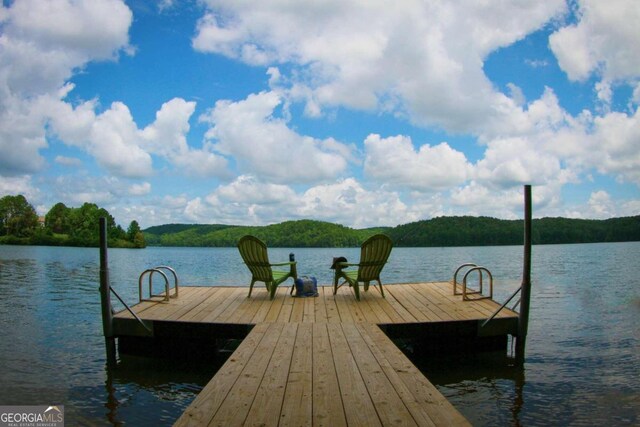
{"x": 479, "y": 291}
{"x": 151, "y": 271}
{"x": 455, "y": 276}
{"x": 158, "y": 269}
{"x": 495, "y": 313}
{"x": 129, "y": 309}
{"x": 175, "y": 278}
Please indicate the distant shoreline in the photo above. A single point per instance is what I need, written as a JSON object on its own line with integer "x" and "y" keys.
{"x": 437, "y": 232}
{"x": 463, "y": 231}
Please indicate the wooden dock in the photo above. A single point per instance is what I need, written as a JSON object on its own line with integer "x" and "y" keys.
{"x": 321, "y": 361}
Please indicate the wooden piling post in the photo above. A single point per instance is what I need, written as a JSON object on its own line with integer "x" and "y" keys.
{"x": 523, "y": 319}
{"x": 105, "y": 293}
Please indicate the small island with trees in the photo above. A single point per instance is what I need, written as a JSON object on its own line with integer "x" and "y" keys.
{"x": 62, "y": 226}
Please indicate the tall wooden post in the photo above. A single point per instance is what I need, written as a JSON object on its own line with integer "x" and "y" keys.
{"x": 105, "y": 294}
{"x": 523, "y": 320}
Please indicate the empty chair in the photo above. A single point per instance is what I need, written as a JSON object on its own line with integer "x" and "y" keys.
{"x": 374, "y": 254}
{"x": 254, "y": 255}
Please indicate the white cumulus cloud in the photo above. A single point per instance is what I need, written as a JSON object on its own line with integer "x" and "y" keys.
{"x": 423, "y": 58}
{"x": 263, "y": 144}
{"x": 395, "y": 160}
{"x": 42, "y": 43}
{"x": 604, "y": 40}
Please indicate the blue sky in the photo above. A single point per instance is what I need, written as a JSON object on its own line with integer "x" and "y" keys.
{"x": 364, "y": 114}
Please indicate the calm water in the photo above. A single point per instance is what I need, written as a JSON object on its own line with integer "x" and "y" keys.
{"x": 583, "y": 354}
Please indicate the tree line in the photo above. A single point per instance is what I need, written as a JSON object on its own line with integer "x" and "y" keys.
{"x": 485, "y": 231}
{"x": 436, "y": 232}
{"x": 297, "y": 234}
{"x": 19, "y": 224}
{"x": 62, "y": 226}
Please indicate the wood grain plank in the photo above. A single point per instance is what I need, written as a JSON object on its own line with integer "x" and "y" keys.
{"x": 235, "y": 407}
{"x": 222, "y": 311}
{"x": 359, "y": 409}
{"x": 440, "y": 410}
{"x": 397, "y": 306}
{"x": 297, "y": 312}
{"x": 343, "y": 306}
{"x": 309, "y": 314}
{"x": 328, "y": 410}
{"x": 176, "y": 307}
{"x": 287, "y": 310}
{"x": 297, "y": 407}
{"x": 210, "y": 313}
{"x": 209, "y": 298}
{"x": 267, "y": 404}
{"x": 333, "y": 315}
{"x": 320, "y": 304}
{"x": 389, "y": 406}
{"x": 408, "y": 302}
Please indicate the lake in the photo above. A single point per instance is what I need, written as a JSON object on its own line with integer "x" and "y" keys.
{"x": 582, "y": 363}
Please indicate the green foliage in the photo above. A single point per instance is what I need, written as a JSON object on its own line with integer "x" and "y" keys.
{"x": 57, "y": 219}
{"x": 299, "y": 234}
{"x": 63, "y": 226}
{"x": 17, "y": 217}
{"x": 484, "y": 231}
{"x": 135, "y": 235}
{"x": 438, "y": 232}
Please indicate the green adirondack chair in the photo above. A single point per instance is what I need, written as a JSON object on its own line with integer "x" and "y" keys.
{"x": 254, "y": 254}
{"x": 374, "y": 254}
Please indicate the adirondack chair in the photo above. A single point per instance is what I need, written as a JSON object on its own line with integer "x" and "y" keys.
{"x": 374, "y": 253}
{"x": 254, "y": 255}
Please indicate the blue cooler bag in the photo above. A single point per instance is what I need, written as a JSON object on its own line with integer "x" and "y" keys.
{"x": 306, "y": 286}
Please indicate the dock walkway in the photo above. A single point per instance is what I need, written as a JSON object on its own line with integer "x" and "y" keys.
{"x": 320, "y": 361}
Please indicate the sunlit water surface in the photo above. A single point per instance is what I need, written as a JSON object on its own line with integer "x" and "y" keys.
{"x": 583, "y": 354}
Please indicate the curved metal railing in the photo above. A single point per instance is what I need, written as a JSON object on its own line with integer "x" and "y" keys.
{"x": 455, "y": 276}
{"x": 167, "y": 289}
{"x": 465, "y": 290}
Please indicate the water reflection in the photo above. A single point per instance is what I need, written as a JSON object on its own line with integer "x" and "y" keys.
{"x": 492, "y": 380}
{"x": 163, "y": 387}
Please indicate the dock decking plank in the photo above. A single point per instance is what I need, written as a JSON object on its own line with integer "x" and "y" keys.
{"x": 297, "y": 407}
{"x": 432, "y": 305}
{"x": 418, "y": 411}
{"x": 343, "y": 307}
{"x": 230, "y": 296}
{"x": 414, "y": 307}
{"x": 320, "y": 306}
{"x": 333, "y": 315}
{"x": 397, "y": 307}
{"x": 209, "y": 299}
{"x": 267, "y": 404}
{"x": 235, "y": 407}
{"x": 389, "y": 406}
{"x": 439, "y": 408}
{"x": 359, "y": 409}
{"x": 328, "y": 409}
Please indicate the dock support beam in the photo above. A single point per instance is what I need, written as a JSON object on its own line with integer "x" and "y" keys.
{"x": 105, "y": 295}
{"x": 523, "y": 320}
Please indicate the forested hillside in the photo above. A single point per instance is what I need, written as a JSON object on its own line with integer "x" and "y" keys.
{"x": 482, "y": 231}
{"x": 299, "y": 234}
{"x": 442, "y": 231}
